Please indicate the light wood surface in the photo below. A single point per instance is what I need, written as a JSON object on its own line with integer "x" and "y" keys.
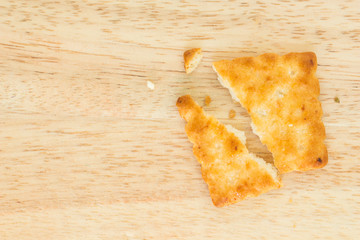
{"x": 87, "y": 151}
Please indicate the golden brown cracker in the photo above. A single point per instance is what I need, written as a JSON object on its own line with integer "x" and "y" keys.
{"x": 281, "y": 95}
{"x": 230, "y": 171}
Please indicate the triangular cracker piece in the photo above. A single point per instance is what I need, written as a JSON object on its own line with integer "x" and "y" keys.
{"x": 231, "y": 172}
{"x": 281, "y": 95}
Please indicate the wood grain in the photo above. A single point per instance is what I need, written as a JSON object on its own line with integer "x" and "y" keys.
{"x": 87, "y": 151}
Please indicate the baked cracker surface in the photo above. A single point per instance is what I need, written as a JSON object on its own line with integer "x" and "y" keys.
{"x": 230, "y": 171}
{"x": 281, "y": 95}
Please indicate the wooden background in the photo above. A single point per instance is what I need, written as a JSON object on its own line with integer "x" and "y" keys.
{"x": 87, "y": 151}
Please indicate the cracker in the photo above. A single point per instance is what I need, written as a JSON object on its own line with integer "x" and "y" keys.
{"x": 281, "y": 95}
{"x": 230, "y": 171}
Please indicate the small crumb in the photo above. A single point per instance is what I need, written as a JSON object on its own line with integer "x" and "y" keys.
{"x": 207, "y": 100}
{"x": 337, "y": 100}
{"x": 150, "y": 85}
{"x": 290, "y": 200}
{"x": 294, "y": 226}
{"x": 192, "y": 58}
{"x": 232, "y": 113}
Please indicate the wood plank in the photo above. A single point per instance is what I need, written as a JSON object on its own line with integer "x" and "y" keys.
{"x": 87, "y": 151}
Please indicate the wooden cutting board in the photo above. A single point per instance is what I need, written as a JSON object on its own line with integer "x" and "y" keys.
{"x": 88, "y": 151}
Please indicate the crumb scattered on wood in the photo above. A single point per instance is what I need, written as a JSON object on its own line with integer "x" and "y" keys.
{"x": 290, "y": 200}
{"x": 337, "y": 100}
{"x": 150, "y": 85}
{"x": 207, "y": 100}
{"x": 192, "y": 59}
{"x": 232, "y": 113}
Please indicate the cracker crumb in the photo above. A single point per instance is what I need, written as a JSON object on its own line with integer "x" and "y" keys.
{"x": 207, "y": 100}
{"x": 192, "y": 59}
{"x": 337, "y": 100}
{"x": 150, "y": 85}
{"x": 290, "y": 200}
{"x": 232, "y": 113}
{"x": 294, "y": 226}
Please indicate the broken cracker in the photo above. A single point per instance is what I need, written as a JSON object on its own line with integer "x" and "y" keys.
{"x": 230, "y": 171}
{"x": 281, "y": 95}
